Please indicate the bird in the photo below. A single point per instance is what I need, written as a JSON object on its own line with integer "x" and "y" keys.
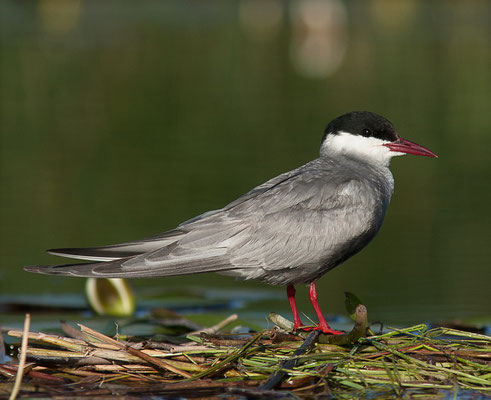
{"x": 290, "y": 230}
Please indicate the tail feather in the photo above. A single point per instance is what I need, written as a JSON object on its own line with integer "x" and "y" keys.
{"x": 117, "y": 251}
{"x": 116, "y": 269}
{"x": 99, "y": 253}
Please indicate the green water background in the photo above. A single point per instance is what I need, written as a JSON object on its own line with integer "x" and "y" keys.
{"x": 120, "y": 119}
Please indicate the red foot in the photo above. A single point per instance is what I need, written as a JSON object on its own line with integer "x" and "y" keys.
{"x": 297, "y": 323}
{"x": 327, "y": 331}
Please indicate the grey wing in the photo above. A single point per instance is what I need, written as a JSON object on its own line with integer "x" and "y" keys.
{"x": 162, "y": 240}
{"x": 287, "y": 232}
{"x": 279, "y": 226}
{"x": 199, "y": 250}
{"x": 197, "y": 245}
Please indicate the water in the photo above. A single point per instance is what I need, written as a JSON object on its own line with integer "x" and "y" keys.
{"x": 120, "y": 121}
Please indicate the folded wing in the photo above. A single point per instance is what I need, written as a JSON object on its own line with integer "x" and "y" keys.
{"x": 281, "y": 224}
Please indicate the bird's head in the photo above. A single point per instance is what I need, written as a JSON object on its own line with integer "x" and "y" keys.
{"x": 367, "y": 136}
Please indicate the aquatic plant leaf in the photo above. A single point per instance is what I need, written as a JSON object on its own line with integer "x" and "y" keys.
{"x": 351, "y": 301}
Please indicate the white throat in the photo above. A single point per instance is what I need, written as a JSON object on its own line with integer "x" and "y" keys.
{"x": 368, "y": 149}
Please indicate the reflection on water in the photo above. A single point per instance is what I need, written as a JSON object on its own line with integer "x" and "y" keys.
{"x": 120, "y": 121}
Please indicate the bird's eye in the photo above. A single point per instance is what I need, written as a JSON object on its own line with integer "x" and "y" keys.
{"x": 367, "y": 132}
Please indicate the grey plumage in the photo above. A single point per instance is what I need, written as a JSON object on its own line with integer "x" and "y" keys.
{"x": 281, "y": 232}
{"x": 291, "y": 229}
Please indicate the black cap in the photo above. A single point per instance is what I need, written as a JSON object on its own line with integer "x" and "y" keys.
{"x": 362, "y": 123}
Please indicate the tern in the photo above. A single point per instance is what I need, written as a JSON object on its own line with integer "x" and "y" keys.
{"x": 290, "y": 230}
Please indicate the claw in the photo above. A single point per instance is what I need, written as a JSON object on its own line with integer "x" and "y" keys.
{"x": 327, "y": 331}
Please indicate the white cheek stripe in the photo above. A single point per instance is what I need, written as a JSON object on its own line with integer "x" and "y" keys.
{"x": 367, "y": 148}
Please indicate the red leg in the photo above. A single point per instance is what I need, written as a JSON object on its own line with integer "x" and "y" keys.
{"x": 290, "y": 292}
{"x": 323, "y": 326}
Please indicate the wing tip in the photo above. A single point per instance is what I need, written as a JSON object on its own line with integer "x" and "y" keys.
{"x": 31, "y": 268}
{"x": 90, "y": 254}
{"x": 64, "y": 269}
{"x": 44, "y": 269}
{"x": 65, "y": 251}
{"x": 80, "y": 270}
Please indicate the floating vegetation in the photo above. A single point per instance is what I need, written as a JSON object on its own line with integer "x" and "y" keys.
{"x": 273, "y": 363}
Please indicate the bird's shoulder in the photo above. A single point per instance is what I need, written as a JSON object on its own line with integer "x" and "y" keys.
{"x": 320, "y": 179}
{"x": 321, "y": 184}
